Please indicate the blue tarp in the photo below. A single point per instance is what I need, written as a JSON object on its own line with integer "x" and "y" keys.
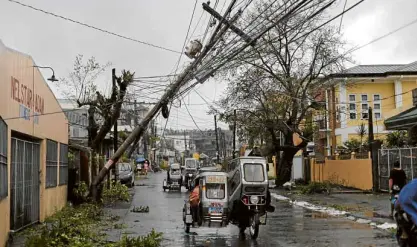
{"x": 140, "y": 160}
{"x": 408, "y": 200}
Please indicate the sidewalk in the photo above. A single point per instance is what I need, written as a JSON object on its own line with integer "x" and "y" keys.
{"x": 372, "y": 207}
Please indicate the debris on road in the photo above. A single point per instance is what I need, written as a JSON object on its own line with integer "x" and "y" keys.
{"x": 140, "y": 209}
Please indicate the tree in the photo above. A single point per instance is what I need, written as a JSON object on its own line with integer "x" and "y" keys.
{"x": 397, "y": 139}
{"x": 274, "y": 85}
{"x": 103, "y": 110}
{"x": 353, "y": 145}
{"x": 361, "y": 130}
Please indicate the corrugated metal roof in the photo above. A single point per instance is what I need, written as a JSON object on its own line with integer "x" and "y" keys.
{"x": 380, "y": 69}
{"x": 409, "y": 67}
{"x": 372, "y": 69}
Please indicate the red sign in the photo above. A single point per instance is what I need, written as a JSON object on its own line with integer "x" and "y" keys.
{"x": 24, "y": 95}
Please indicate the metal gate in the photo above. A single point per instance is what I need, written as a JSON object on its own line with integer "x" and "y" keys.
{"x": 386, "y": 159}
{"x": 24, "y": 178}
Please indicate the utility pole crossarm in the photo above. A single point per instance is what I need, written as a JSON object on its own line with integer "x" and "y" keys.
{"x": 235, "y": 29}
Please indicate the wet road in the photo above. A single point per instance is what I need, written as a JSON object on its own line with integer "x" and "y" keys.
{"x": 287, "y": 226}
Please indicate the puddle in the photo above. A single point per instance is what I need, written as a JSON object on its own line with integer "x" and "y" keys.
{"x": 317, "y": 215}
{"x": 373, "y": 214}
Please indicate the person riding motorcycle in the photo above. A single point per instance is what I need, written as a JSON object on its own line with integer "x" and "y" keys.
{"x": 397, "y": 181}
{"x": 406, "y": 215}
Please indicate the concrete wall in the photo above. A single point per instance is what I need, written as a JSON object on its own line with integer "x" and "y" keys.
{"x": 350, "y": 173}
{"x": 24, "y": 92}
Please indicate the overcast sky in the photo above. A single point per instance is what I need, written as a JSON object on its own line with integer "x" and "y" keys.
{"x": 55, "y": 42}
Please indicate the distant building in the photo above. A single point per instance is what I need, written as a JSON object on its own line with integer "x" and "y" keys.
{"x": 77, "y": 119}
{"x": 205, "y": 142}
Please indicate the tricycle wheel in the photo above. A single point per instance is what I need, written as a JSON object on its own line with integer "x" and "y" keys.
{"x": 254, "y": 226}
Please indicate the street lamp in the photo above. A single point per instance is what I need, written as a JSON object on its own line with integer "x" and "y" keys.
{"x": 53, "y": 79}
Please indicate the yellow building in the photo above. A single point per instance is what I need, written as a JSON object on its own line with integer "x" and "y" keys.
{"x": 33, "y": 145}
{"x": 385, "y": 88}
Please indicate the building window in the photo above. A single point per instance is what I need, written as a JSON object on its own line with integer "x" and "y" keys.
{"x": 364, "y": 107}
{"x": 51, "y": 163}
{"x": 364, "y": 115}
{"x": 4, "y": 185}
{"x": 352, "y": 107}
{"x": 377, "y": 106}
{"x": 352, "y": 115}
{"x": 63, "y": 164}
{"x": 352, "y": 97}
{"x": 364, "y": 98}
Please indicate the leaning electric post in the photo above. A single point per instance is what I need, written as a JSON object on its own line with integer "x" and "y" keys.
{"x": 217, "y": 139}
{"x": 186, "y": 76}
{"x": 234, "y": 134}
{"x": 115, "y": 135}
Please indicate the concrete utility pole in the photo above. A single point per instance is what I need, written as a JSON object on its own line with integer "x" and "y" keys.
{"x": 373, "y": 147}
{"x": 183, "y": 78}
{"x": 115, "y": 135}
{"x": 217, "y": 140}
{"x": 234, "y": 134}
{"x": 135, "y": 146}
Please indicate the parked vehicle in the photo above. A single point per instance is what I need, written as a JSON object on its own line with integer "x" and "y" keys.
{"x": 126, "y": 174}
{"x": 174, "y": 178}
{"x": 213, "y": 206}
{"x": 190, "y": 169}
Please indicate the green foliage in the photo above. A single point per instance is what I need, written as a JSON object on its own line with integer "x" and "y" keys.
{"x": 316, "y": 187}
{"x": 124, "y": 158}
{"x": 81, "y": 191}
{"x": 352, "y": 145}
{"x": 69, "y": 227}
{"x": 80, "y": 227}
{"x": 396, "y": 139}
{"x": 116, "y": 192}
{"x": 153, "y": 239}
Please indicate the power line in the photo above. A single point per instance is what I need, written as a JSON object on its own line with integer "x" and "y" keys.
{"x": 43, "y": 114}
{"x": 155, "y": 76}
{"x": 93, "y": 27}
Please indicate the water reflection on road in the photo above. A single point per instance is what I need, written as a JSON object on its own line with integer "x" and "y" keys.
{"x": 287, "y": 226}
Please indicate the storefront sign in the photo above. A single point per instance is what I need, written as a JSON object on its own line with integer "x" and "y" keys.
{"x": 31, "y": 104}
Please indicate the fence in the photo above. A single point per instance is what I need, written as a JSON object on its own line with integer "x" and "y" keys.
{"x": 355, "y": 173}
{"x": 386, "y": 159}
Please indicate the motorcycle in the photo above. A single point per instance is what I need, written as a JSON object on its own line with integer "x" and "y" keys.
{"x": 406, "y": 230}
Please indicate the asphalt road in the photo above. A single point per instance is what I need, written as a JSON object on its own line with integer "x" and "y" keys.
{"x": 287, "y": 226}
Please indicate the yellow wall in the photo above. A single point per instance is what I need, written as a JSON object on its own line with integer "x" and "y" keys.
{"x": 385, "y": 89}
{"x": 15, "y": 66}
{"x": 350, "y": 173}
{"x": 407, "y": 86}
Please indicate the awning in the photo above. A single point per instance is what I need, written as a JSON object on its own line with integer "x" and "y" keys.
{"x": 402, "y": 121}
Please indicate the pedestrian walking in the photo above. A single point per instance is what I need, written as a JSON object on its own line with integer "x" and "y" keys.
{"x": 146, "y": 166}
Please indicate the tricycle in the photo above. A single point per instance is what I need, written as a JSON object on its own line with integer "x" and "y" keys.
{"x": 174, "y": 178}
{"x": 212, "y": 209}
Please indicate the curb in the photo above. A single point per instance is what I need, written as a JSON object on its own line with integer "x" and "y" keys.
{"x": 334, "y": 212}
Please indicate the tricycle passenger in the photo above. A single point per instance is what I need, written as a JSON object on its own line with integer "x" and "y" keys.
{"x": 195, "y": 200}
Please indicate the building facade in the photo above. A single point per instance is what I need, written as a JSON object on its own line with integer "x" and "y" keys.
{"x": 385, "y": 88}
{"x": 33, "y": 145}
